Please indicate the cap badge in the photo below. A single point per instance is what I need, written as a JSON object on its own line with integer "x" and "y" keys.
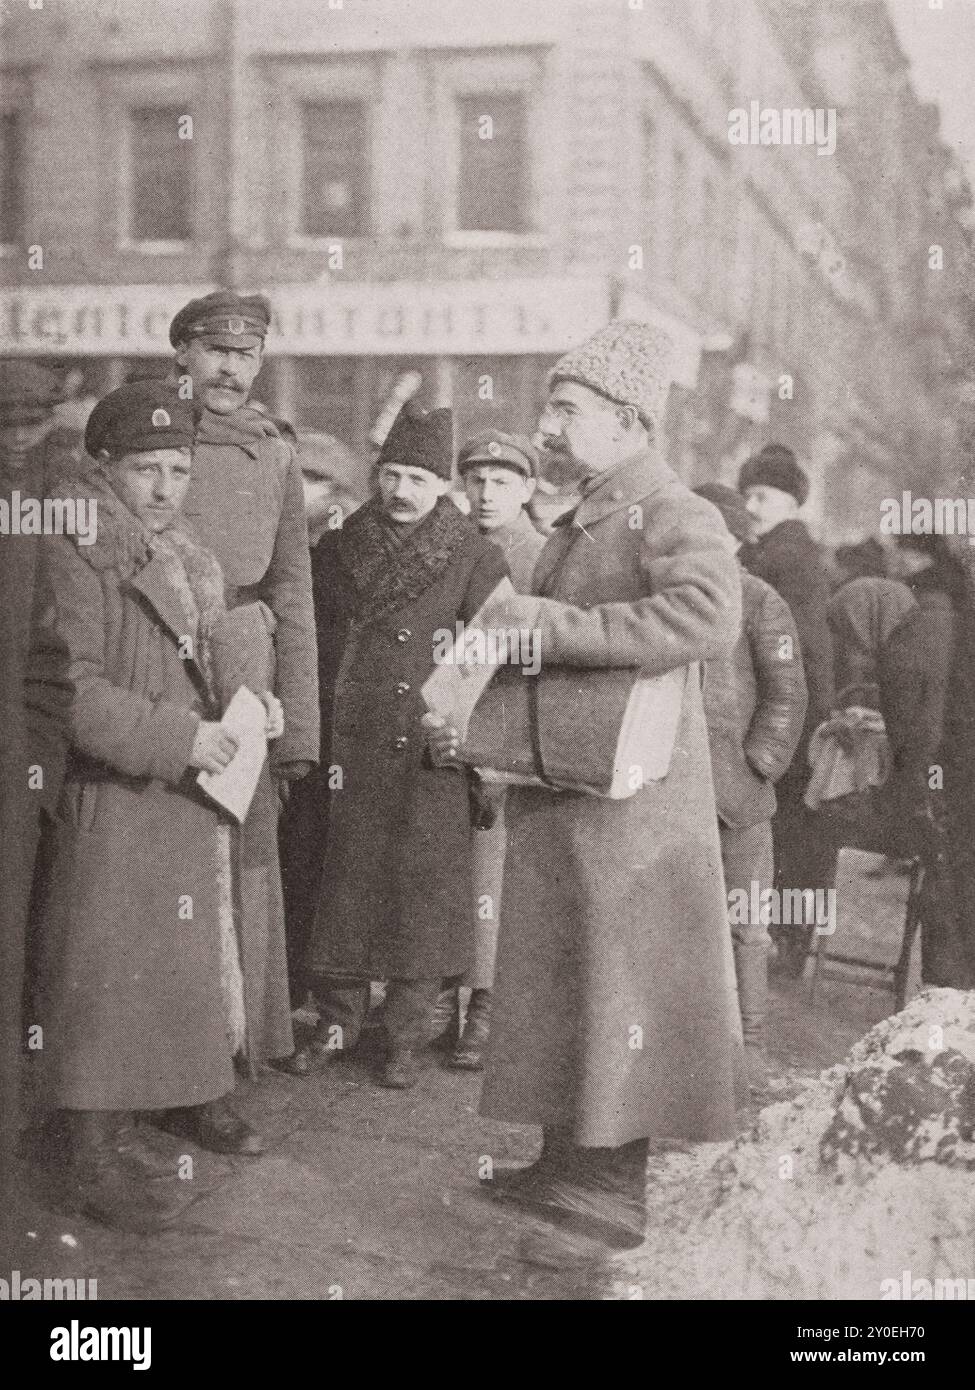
{"x": 160, "y": 418}
{"x": 236, "y": 326}
{"x": 494, "y": 448}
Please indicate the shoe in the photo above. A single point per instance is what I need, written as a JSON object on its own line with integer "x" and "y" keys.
{"x": 310, "y": 1060}
{"x": 215, "y": 1126}
{"x": 591, "y": 1209}
{"x": 401, "y": 1070}
{"x": 508, "y": 1183}
{"x": 106, "y": 1185}
{"x": 468, "y": 1055}
{"x": 136, "y": 1148}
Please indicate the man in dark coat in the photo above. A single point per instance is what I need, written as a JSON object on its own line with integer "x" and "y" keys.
{"x": 784, "y": 555}
{"x": 755, "y": 703}
{"x": 382, "y": 838}
{"x": 246, "y": 506}
{"x": 28, "y": 393}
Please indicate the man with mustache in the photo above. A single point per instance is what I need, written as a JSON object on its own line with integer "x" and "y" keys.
{"x": 380, "y": 841}
{"x": 246, "y": 505}
{"x": 614, "y": 1014}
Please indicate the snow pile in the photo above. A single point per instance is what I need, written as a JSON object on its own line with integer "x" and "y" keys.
{"x": 866, "y": 1175}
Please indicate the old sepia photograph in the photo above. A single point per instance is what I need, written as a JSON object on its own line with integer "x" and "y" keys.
{"x": 487, "y": 661}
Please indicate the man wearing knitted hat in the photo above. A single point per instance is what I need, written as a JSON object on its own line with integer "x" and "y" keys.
{"x": 379, "y": 851}
{"x": 614, "y": 1016}
{"x": 783, "y": 554}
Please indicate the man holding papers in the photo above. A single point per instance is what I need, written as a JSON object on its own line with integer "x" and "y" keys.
{"x": 142, "y": 989}
{"x": 614, "y": 1012}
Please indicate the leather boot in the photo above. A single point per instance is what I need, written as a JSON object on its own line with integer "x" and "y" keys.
{"x": 600, "y": 1194}
{"x": 108, "y": 1185}
{"x": 445, "y": 1021}
{"x": 513, "y": 1184}
{"x": 401, "y": 1070}
{"x": 751, "y": 971}
{"x": 468, "y": 1055}
{"x": 215, "y": 1125}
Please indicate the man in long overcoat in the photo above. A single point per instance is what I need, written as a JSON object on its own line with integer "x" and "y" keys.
{"x": 28, "y": 393}
{"x": 382, "y": 838}
{"x": 614, "y": 1011}
{"x": 246, "y": 506}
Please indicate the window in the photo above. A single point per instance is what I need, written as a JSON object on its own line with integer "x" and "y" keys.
{"x": 161, "y": 176}
{"x": 492, "y": 192}
{"x": 11, "y": 178}
{"x": 335, "y": 169}
{"x": 327, "y": 396}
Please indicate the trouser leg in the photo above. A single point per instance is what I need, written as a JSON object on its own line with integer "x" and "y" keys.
{"x": 747, "y": 858}
{"x": 409, "y": 1010}
{"x": 342, "y": 1003}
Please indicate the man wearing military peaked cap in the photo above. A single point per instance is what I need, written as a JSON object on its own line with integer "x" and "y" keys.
{"x": 232, "y": 319}
{"x": 142, "y": 416}
{"x": 246, "y": 504}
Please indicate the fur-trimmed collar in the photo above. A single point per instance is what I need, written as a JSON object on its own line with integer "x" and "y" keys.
{"x": 386, "y": 572}
{"x": 182, "y": 581}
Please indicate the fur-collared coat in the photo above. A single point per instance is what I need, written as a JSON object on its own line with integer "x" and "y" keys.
{"x": 614, "y": 1012}
{"x": 378, "y": 857}
{"x": 141, "y": 994}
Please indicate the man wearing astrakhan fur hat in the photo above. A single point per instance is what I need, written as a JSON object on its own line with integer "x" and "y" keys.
{"x": 614, "y": 1012}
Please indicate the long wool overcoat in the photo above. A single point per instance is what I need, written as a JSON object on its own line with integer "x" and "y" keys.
{"x": 380, "y": 837}
{"x": 614, "y": 999}
{"x": 246, "y": 505}
{"x": 133, "y": 1002}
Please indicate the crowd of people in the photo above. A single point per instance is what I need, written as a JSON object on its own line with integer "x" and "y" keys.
{"x": 577, "y": 948}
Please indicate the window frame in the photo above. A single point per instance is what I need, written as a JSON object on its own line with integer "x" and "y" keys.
{"x": 468, "y": 74}
{"x": 15, "y": 100}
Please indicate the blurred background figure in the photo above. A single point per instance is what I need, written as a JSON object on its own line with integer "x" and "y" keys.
{"x": 500, "y": 473}
{"x": 782, "y": 553}
{"x": 755, "y": 704}
{"x": 332, "y": 478}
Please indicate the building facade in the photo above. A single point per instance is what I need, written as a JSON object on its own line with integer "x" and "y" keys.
{"x": 464, "y": 191}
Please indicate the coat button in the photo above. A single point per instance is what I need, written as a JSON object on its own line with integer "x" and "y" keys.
{"x": 402, "y": 687}
{"x": 404, "y": 634}
{"x": 401, "y": 742}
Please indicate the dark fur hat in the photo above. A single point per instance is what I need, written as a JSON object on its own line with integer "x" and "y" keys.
{"x": 421, "y": 439}
{"x": 774, "y": 466}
